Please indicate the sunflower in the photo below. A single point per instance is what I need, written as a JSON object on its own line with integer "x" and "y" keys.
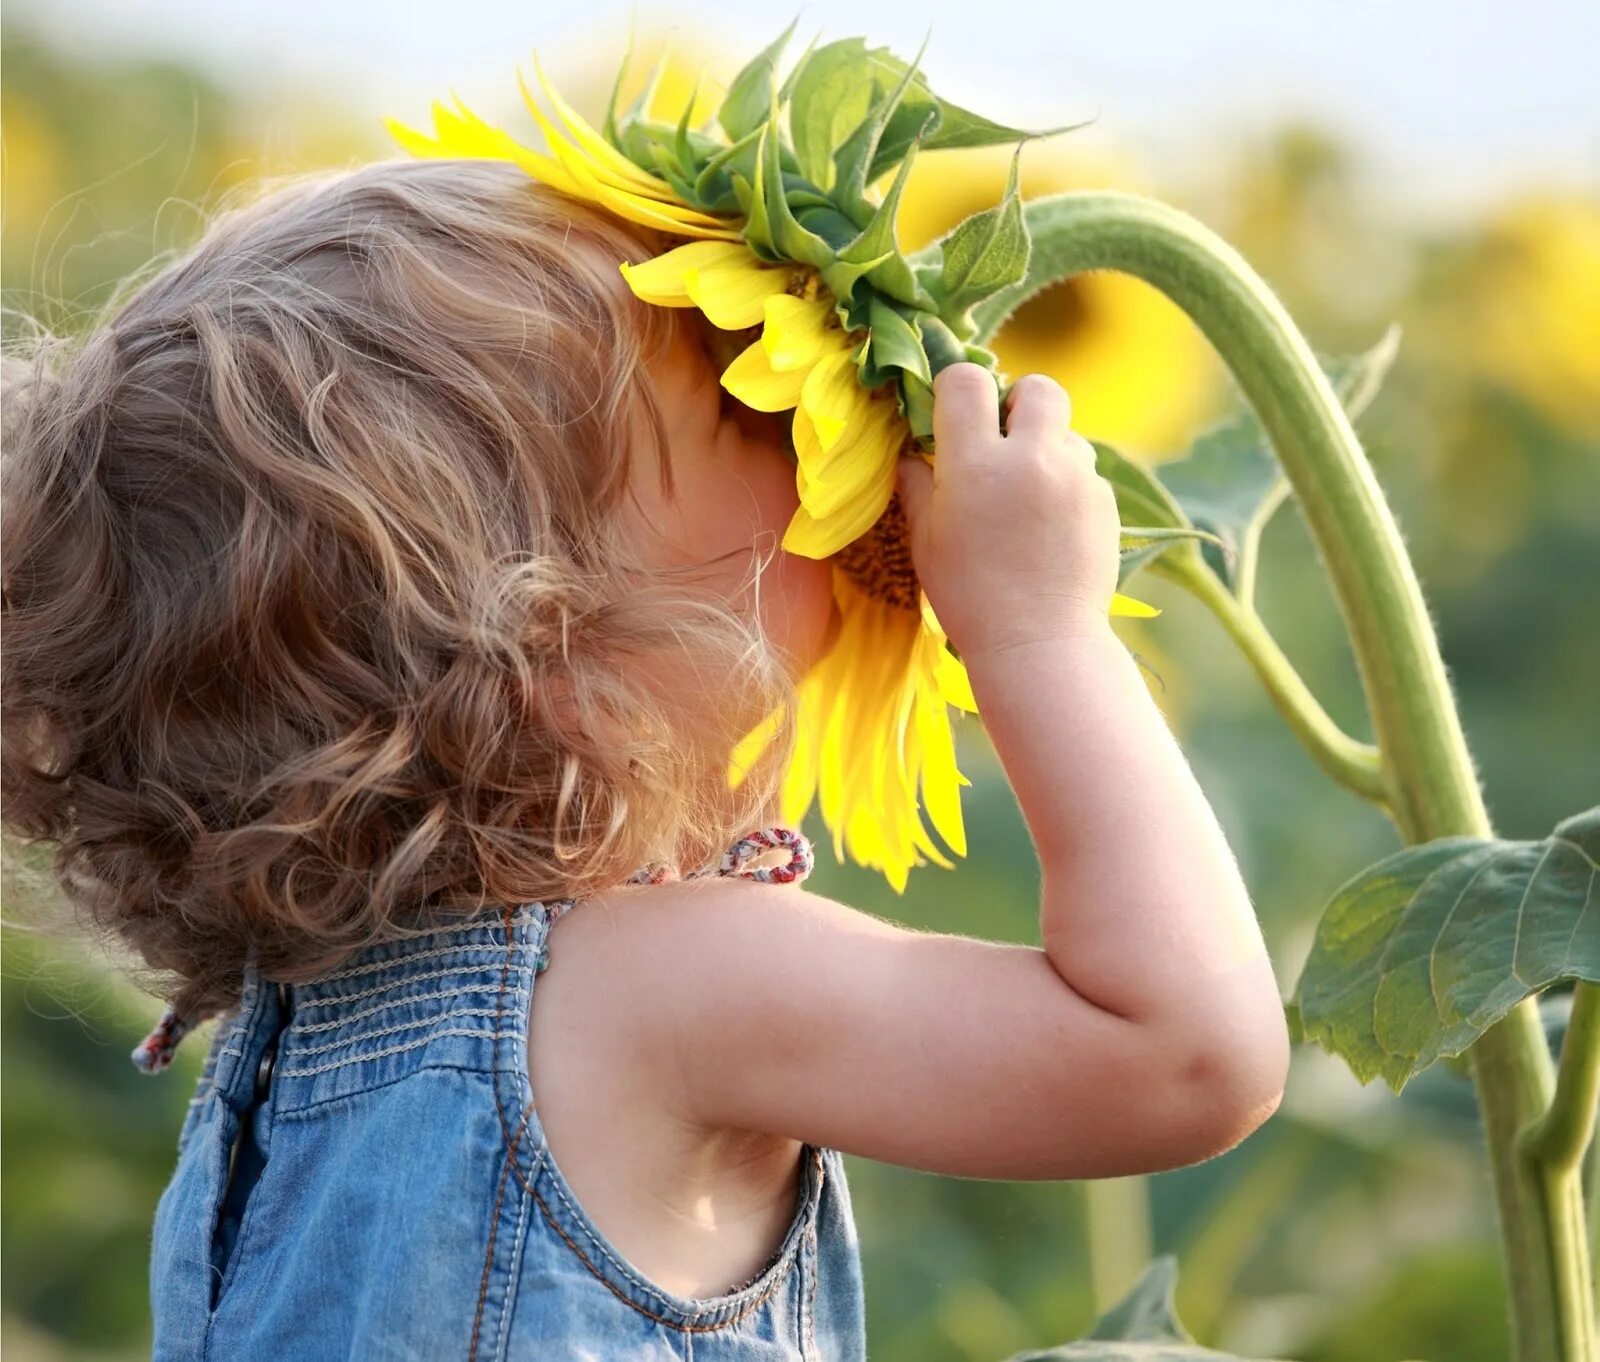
{"x": 845, "y": 336}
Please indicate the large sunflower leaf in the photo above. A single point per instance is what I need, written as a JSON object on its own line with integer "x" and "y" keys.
{"x": 749, "y": 97}
{"x": 1231, "y": 482}
{"x": 1418, "y": 955}
{"x": 1142, "y": 1327}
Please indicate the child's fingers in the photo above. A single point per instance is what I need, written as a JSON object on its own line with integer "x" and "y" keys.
{"x": 966, "y": 408}
{"x": 1037, "y": 407}
{"x": 914, "y": 480}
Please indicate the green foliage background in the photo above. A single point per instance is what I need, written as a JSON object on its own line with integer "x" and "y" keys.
{"x": 1355, "y": 1226}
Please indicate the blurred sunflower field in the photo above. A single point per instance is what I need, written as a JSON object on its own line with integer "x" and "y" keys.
{"x": 1356, "y": 1226}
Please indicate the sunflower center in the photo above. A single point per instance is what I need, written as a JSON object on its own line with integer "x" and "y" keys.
{"x": 879, "y": 562}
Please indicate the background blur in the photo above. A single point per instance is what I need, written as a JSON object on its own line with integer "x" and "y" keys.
{"x": 1434, "y": 164}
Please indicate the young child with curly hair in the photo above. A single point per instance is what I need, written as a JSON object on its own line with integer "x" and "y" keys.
{"x": 383, "y": 581}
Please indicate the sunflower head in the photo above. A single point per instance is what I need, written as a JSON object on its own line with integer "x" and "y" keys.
{"x": 785, "y": 248}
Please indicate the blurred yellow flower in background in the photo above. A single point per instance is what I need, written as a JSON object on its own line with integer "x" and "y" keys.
{"x": 30, "y": 181}
{"x": 1532, "y": 322}
{"x": 1141, "y": 376}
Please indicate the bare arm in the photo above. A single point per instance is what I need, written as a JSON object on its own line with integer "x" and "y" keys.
{"x": 1144, "y": 912}
{"x": 1148, "y": 1032}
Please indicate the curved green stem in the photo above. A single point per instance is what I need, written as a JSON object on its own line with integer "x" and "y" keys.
{"x": 1554, "y": 1146}
{"x": 1429, "y": 783}
{"x": 1355, "y": 765}
{"x": 1433, "y": 790}
{"x": 1561, "y": 1137}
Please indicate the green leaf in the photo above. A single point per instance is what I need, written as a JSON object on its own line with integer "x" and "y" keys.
{"x": 749, "y": 97}
{"x": 955, "y": 127}
{"x": 634, "y": 114}
{"x": 716, "y": 175}
{"x": 608, "y": 125}
{"x": 830, "y": 224}
{"x": 916, "y": 405}
{"x": 894, "y": 344}
{"x": 1142, "y": 1327}
{"x": 1141, "y": 500}
{"x": 876, "y": 244}
{"x": 1417, "y": 956}
{"x": 940, "y": 342}
{"x": 790, "y": 238}
{"x": 858, "y": 151}
{"x": 959, "y": 128}
{"x": 1231, "y": 482}
{"x": 988, "y": 251}
{"x": 832, "y": 97}
{"x": 1146, "y": 510}
{"x": 841, "y": 277}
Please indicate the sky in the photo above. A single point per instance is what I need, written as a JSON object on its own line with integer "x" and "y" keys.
{"x": 1450, "y": 104}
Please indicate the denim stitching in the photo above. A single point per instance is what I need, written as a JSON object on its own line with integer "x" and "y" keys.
{"x": 409, "y": 977}
{"x": 682, "y": 1326}
{"x": 488, "y": 1265}
{"x": 373, "y": 966}
{"x": 389, "y": 1050}
{"x": 398, "y": 1027}
{"x": 334, "y": 1023}
{"x": 310, "y": 1109}
{"x": 502, "y": 1335}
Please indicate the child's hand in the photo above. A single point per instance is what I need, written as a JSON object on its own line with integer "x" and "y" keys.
{"x": 1013, "y": 535}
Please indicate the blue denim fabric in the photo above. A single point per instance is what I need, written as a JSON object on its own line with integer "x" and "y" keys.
{"x": 392, "y": 1195}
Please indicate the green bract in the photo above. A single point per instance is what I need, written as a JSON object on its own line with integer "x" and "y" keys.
{"x": 796, "y": 161}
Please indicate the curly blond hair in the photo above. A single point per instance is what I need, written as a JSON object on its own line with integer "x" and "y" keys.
{"x": 319, "y": 624}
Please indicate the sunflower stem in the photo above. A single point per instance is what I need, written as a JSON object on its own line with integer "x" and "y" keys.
{"x": 1429, "y": 783}
{"x": 1561, "y": 1137}
{"x": 1356, "y": 765}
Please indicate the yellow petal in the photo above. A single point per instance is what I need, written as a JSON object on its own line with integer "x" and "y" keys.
{"x": 864, "y": 455}
{"x": 1126, "y": 605}
{"x": 845, "y": 484}
{"x": 417, "y": 143}
{"x": 798, "y": 332}
{"x": 624, "y": 197}
{"x": 813, "y": 538}
{"x": 832, "y": 396}
{"x": 733, "y": 291}
{"x": 800, "y": 781}
{"x": 751, "y": 379}
{"x": 950, "y": 672}
{"x": 598, "y": 174}
{"x": 661, "y": 279}
{"x": 590, "y": 141}
{"x": 635, "y": 209}
{"x": 941, "y": 790}
{"x": 460, "y": 132}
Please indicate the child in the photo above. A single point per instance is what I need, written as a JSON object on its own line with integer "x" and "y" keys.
{"x": 382, "y": 580}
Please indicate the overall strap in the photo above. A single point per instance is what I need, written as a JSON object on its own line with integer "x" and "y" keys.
{"x": 155, "y": 1052}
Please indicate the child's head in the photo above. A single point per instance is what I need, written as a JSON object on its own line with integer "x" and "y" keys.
{"x": 351, "y": 572}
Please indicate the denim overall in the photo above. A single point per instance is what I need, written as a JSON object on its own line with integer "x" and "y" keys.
{"x": 362, "y": 1175}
